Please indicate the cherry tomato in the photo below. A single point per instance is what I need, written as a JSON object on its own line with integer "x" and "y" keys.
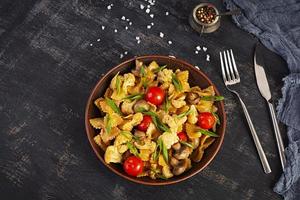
{"x": 133, "y": 166}
{"x": 182, "y": 136}
{"x": 143, "y": 126}
{"x": 155, "y": 95}
{"x": 206, "y": 120}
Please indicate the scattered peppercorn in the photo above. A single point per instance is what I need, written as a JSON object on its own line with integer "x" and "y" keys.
{"x": 206, "y": 14}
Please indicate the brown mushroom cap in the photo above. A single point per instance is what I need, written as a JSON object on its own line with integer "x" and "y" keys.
{"x": 182, "y": 153}
{"x": 192, "y": 98}
{"x": 141, "y": 104}
{"x": 180, "y": 167}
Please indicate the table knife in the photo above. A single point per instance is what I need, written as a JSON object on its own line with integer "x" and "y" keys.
{"x": 263, "y": 86}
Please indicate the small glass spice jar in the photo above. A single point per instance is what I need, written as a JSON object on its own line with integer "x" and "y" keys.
{"x": 205, "y": 18}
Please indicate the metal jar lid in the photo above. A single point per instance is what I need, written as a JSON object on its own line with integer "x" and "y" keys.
{"x": 204, "y": 27}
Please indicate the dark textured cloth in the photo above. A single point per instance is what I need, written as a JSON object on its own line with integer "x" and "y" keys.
{"x": 277, "y": 24}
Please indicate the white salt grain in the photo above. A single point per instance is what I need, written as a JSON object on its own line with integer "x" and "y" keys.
{"x": 196, "y": 52}
{"x": 109, "y": 7}
{"x": 161, "y": 35}
{"x": 126, "y": 27}
{"x": 152, "y": 24}
{"x": 142, "y": 6}
{"x": 123, "y": 18}
{"x": 127, "y": 19}
{"x": 98, "y": 40}
{"x": 121, "y": 55}
{"x": 137, "y": 38}
{"x": 148, "y": 6}
{"x": 148, "y": 26}
{"x": 198, "y": 48}
{"x": 151, "y": 15}
{"x": 167, "y": 13}
{"x": 139, "y": 41}
{"x": 102, "y": 27}
{"x": 207, "y": 57}
{"x": 204, "y": 49}
{"x": 91, "y": 44}
{"x": 147, "y": 10}
{"x": 130, "y": 23}
{"x": 115, "y": 30}
{"x": 170, "y": 42}
{"x": 126, "y": 52}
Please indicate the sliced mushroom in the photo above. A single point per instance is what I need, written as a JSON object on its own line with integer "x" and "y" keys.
{"x": 179, "y": 166}
{"x": 195, "y": 142}
{"x": 192, "y": 98}
{"x": 181, "y": 151}
{"x": 141, "y": 104}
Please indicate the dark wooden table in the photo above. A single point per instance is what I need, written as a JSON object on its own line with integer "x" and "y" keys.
{"x": 49, "y": 61}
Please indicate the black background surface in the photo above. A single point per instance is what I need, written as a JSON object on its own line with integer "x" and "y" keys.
{"x": 48, "y": 68}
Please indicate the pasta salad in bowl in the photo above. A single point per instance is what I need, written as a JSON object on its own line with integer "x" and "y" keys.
{"x": 155, "y": 120}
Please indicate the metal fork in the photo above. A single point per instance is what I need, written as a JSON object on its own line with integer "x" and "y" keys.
{"x": 231, "y": 77}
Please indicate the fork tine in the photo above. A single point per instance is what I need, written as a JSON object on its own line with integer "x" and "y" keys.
{"x": 222, "y": 67}
{"x": 230, "y": 66}
{"x": 234, "y": 66}
{"x": 226, "y": 67}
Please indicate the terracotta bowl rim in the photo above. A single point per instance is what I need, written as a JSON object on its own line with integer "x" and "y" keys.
{"x": 137, "y": 180}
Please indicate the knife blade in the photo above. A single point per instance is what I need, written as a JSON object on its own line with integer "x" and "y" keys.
{"x": 261, "y": 77}
{"x": 263, "y": 86}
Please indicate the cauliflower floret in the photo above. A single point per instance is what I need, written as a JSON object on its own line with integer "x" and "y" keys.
{"x": 169, "y": 139}
{"x": 174, "y": 122}
{"x": 165, "y": 76}
{"x": 112, "y": 155}
{"x": 192, "y": 117}
{"x": 129, "y": 80}
{"x": 127, "y": 107}
{"x": 179, "y": 101}
{"x": 121, "y": 83}
{"x": 129, "y": 124}
{"x": 205, "y": 106}
{"x": 150, "y": 130}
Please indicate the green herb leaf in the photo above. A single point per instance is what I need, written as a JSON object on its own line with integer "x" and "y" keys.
{"x": 159, "y": 69}
{"x": 206, "y": 132}
{"x": 176, "y": 83}
{"x": 118, "y": 83}
{"x": 161, "y": 126}
{"x": 143, "y": 72}
{"x": 113, "y": 106}
{"x": 165, "y": 152}
{"x": 212, "y": 98}
{"x": 108, "y": 124}
{"x": 156, "y": 152}
{"x": 181, "y": 115}
{"x": 217, "y": 118}
{"x": 132, "y": 149}
{"x": 166, "y": 105}
{"x": 134, "y": 97}
{"x": 127, "y": 134}
{"x": 187, "y": 144}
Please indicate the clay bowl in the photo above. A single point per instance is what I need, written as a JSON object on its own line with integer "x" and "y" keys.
{"x": 196, "y": 77}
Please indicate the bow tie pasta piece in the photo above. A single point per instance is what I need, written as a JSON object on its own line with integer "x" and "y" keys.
{"x": 112, "y": 155}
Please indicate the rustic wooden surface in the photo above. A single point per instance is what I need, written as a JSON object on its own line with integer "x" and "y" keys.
{"x": 48, "y": 67}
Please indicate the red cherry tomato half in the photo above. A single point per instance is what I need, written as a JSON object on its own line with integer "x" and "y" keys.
{"x": 143, "y": 126}
{"x": 182, "y": 136}
{"x": 133, "y": 166}
{"x": 206, "y": 120}
{"x": 155, "y": 95}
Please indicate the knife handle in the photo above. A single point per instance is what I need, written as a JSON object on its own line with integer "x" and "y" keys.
{"x": 277, "y": 136}
{"x": 261, "y": 153}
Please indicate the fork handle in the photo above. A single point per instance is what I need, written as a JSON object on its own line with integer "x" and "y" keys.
{"x": 277, "y": 136}
{"x": 258, "y": 146}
